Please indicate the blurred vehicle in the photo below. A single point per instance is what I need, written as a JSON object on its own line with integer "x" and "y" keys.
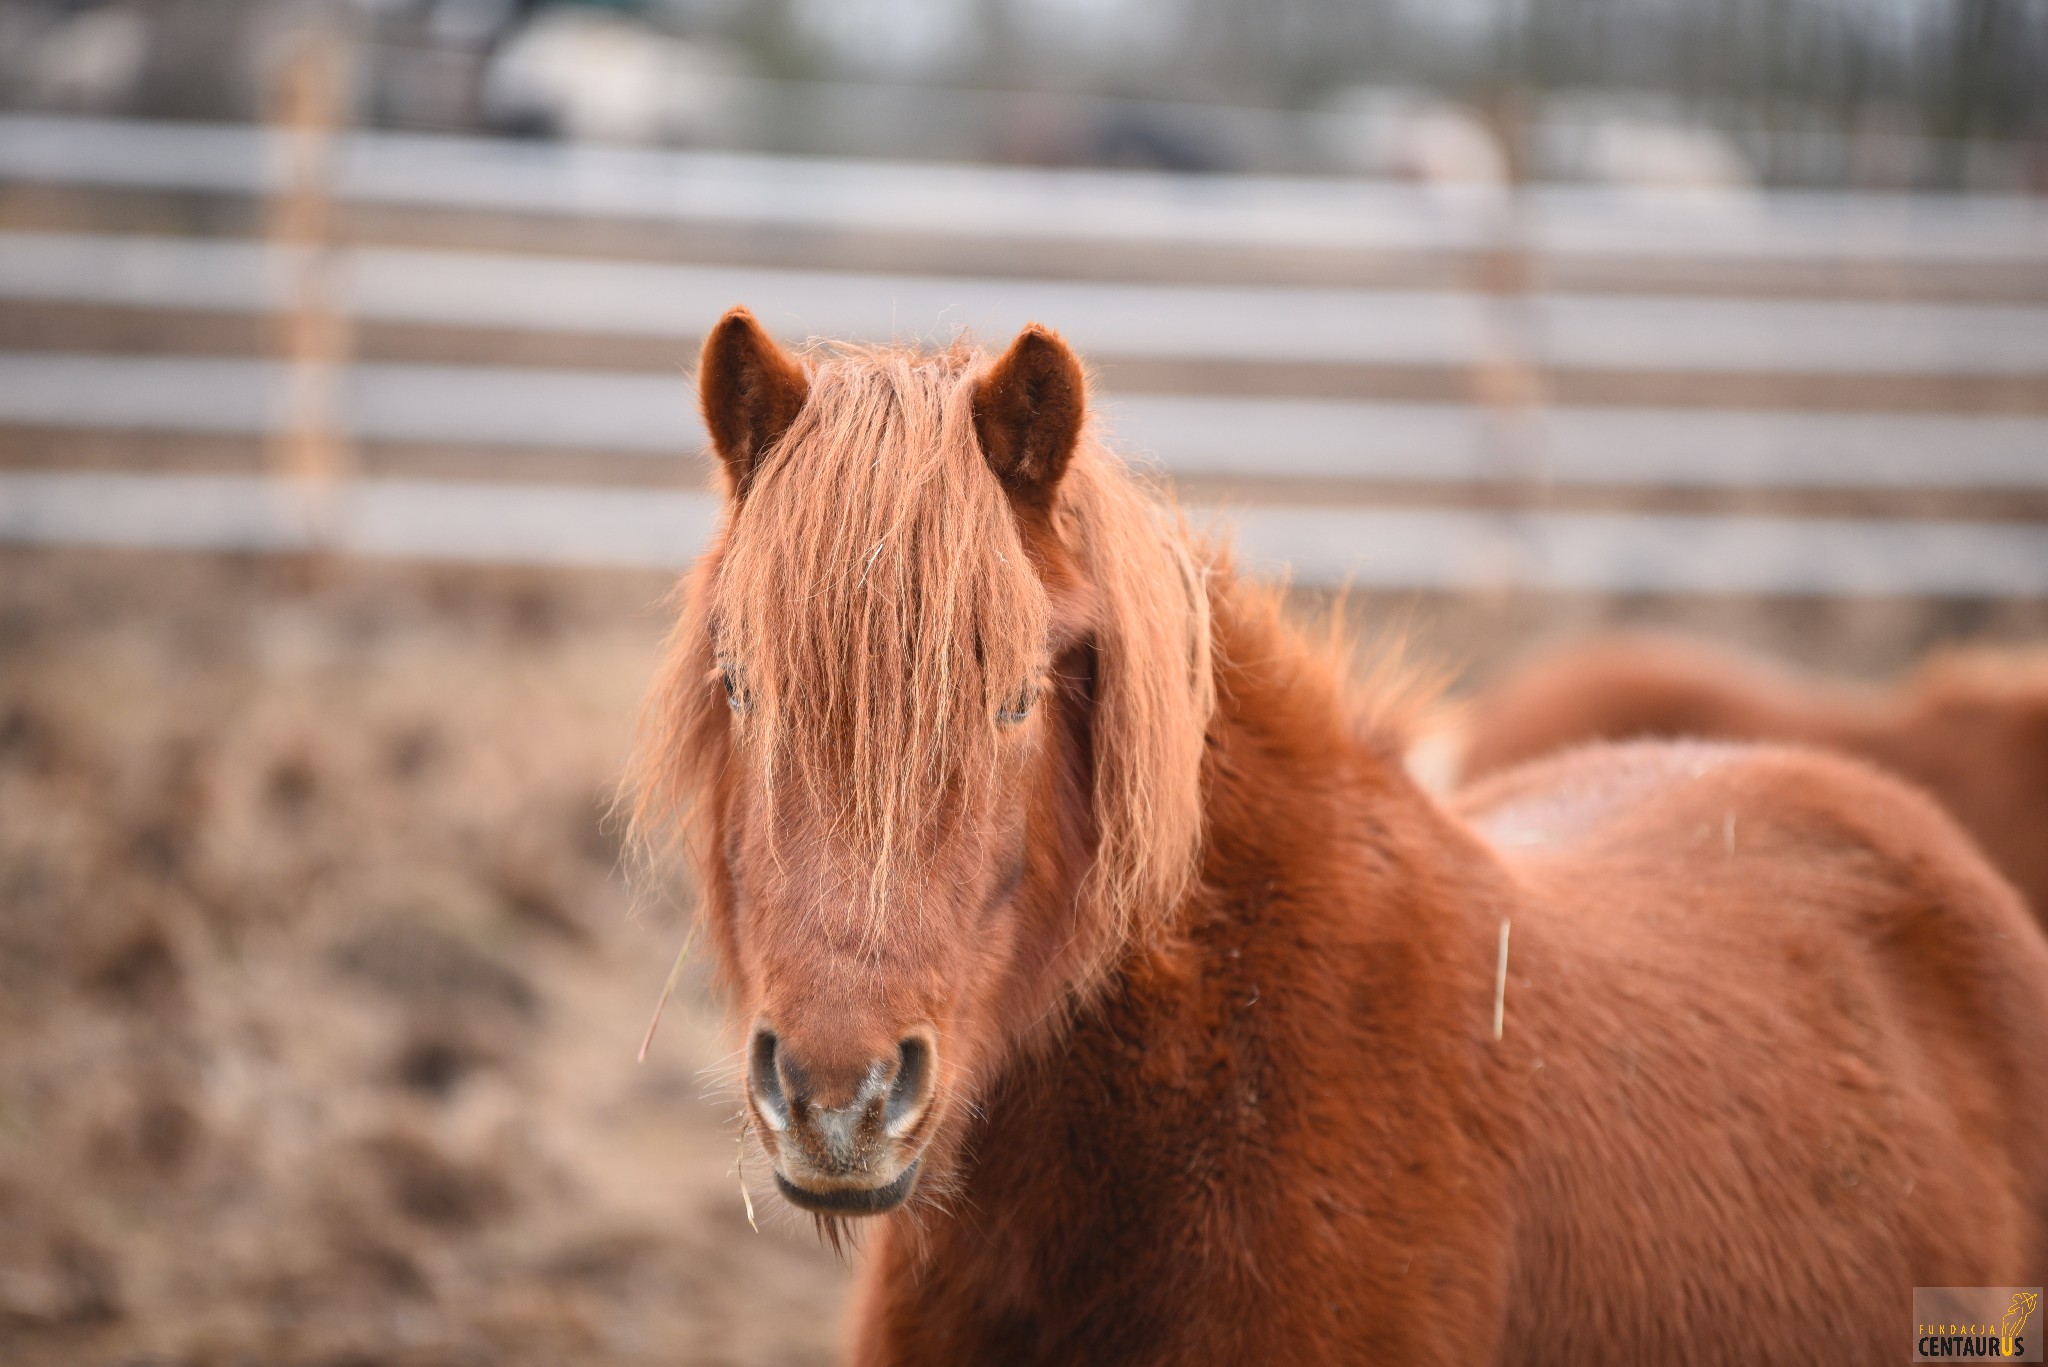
{"x": 1413, "y": 135}
{"x": 587, "y": 74}
{"x": 90, "y": 60}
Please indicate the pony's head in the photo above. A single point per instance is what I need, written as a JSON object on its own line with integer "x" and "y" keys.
{"x": 931, "y": 726}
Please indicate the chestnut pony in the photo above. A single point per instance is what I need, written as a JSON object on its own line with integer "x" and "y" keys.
{"x": 1086, "y": 934}
{"x": 1970, "y": 728}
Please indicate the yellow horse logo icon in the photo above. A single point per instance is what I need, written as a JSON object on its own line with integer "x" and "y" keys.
{"x": 2024, "y": 1303}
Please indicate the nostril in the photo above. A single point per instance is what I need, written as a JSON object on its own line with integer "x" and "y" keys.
{"x": 764, "y": 1080}
{"x": 912, "y": 1087}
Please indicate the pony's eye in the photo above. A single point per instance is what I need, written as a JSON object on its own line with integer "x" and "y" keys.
{"x": 1018, "y": 708}
{"x": 735, "y": 689}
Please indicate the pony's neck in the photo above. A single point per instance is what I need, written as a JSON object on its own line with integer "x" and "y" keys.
{"x": 1305, "y": 780}
{"x": 1327, "y": 878}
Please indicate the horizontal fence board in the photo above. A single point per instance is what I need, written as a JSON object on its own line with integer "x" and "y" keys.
{"x": 1244, "y": 439}
{"x": 1190, "y": 322}
{"x": 1378, "y": 548}
{"x": 1645, "y": 553}
{"x": 1028, "y": 203}
{"x": 458, "y": 404}
{"x": 412, "y": 519}
{"x": 1250, "y": 438}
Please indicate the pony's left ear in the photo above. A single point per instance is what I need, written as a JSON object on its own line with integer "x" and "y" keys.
{"x": 1028, "y": 409}
{"x": 751, "y": 391}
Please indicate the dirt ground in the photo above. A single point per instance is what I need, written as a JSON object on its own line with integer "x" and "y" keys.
{"x": 320, "y": 985}
{"x": 320, "y": 993}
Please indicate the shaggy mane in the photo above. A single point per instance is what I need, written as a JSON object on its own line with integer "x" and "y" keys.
{"x": 879, "y": 607}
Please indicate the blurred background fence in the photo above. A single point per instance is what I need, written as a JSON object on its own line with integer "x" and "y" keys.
{"x": 1546, "y": 337}
{"x": 1405, "y": 385}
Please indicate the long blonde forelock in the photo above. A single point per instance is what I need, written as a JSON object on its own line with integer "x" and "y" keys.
{"x": 876, "y": 602}
{"x": 874, "y": 594}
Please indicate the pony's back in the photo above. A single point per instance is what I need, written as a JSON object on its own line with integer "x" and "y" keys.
{"x": 1971, "y": 730}
{"x": 1716, "y": 934}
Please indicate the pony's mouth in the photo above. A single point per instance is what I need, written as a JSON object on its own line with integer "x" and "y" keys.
{"x": 851, "y": 1200}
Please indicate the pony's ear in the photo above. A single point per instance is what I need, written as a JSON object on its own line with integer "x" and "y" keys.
{"x": 750, "y": 390}
{"x": 1027, "y": 413}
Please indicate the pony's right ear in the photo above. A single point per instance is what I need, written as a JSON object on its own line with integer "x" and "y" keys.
{"x": 750, "y": 390}
{"x": 1028, "y": 409}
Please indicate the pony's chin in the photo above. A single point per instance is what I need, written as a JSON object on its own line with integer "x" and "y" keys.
{"x": 851, "y": 1200}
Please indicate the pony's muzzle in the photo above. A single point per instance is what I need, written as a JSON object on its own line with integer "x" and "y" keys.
{"x": 843, "y": 1134}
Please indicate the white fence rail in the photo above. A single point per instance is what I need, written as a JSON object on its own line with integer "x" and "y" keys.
{"x": 1941, "y": 340}
{"x": 1375, "y": 548}
{"x": 1111, "y": 321}
{"x": 1025, "y": 204}
{"x": 1247, "y": 439}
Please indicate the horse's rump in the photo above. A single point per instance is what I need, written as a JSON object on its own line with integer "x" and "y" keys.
{"x": 1803, "y": 966}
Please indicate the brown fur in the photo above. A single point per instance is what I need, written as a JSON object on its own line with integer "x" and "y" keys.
{"x": 1212, "y": 981}
{"x": 751, "y": 391}
{"x": 1028, "y": 410}
{"x": 1972, "y": 729}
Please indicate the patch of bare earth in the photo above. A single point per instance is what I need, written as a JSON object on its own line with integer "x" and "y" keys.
{"x": 320, "y": 986}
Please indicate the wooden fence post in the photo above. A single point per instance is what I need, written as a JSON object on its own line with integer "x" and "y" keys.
{"x": 311, "y": 447}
